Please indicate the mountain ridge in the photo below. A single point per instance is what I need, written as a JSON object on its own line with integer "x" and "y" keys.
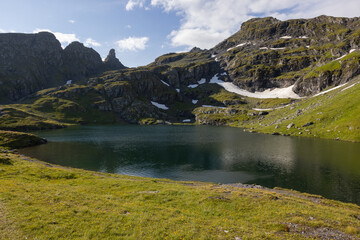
{"x": 220, "y": 86}
{"x": 32, "y": 62}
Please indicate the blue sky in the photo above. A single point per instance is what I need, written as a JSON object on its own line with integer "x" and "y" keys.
{"x": 141, "y": 30}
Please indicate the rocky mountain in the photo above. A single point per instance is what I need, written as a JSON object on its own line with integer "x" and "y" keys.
{"x": 31, "y": 62}
{"x": 311, "y": 54}
{"x": 111, "y": 62}
{"x": 264, "y": 77}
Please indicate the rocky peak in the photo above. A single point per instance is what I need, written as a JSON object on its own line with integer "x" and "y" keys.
{"x": 111, "y": 62}
{"x": 196, "y": 50}
{"x": 81, "y": 61}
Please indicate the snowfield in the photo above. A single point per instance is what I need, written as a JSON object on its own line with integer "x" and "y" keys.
{"x": 350, "y": 86}
{"x": 277, "y": 48}
{"x": 165, "y": 83}
{"x": 352, "y": 50}
{"x": 239, "y": 45}
{"x": 159, "y": 105}
{"x": 193, "y": 85}
{"x": 329, "y": 90}
{"x": 202, "y": 81}
{"x": 274, "y": 93}
{"x": 213, "y": 106}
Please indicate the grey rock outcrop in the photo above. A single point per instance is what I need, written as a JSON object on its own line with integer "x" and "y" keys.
{"x": 29, "y": 62}
{"x": 269, "y": 53}
{"x": 111, "y": 62}
{"x": 81, "y": 61}
{"x": 32, "y": 62}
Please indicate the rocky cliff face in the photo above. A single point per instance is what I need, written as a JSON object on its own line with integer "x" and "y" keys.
{"x": 268, "y": 53}
{"x": 31, "y": 62}
{"x": 111, "y": 62}
{"x": 80, "y": 61}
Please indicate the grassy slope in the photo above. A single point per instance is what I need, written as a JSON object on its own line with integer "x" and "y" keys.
{"x": 42, "y": 201}
{"x": 9, "y": 139}
{"x": 336, "y": 115}
{"x": 21, "y": 118}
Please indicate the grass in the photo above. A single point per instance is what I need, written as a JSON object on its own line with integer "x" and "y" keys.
{"x": 50, "y": 202}
{"x": 23, "y": 118}
{"x": 9, "y": 139}
{"x": 335, "y": 115}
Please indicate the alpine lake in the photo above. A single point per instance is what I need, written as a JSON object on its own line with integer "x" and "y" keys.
{"x": 210, "y": 154}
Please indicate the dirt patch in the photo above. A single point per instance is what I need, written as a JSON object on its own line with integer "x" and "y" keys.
{"x": 319, "y": 233}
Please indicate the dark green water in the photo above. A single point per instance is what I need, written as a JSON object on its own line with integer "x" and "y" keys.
{"x": 211, "y": 154}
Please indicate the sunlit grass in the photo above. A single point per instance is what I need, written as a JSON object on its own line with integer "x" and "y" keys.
{"x": 42, "y": 202}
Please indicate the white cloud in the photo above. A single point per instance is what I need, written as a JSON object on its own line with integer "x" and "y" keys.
{"x": 71, "y": 21}
{"x": 132, "y": 43}
{"x": 128, "y": 26}
{"x": 64, "y": 38}
{"x": 134, "y": 3}
{"x": 91, "y": 43}
{"x": 205, "y": 23}
{"x": 2, "y": 30}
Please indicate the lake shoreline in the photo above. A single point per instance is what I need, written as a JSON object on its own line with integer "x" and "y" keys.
{"x": 65, "y": 202}
{"x": 203, "y": 153}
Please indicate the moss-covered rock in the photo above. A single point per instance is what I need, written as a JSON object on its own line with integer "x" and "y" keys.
{"x": 13, "y": 140}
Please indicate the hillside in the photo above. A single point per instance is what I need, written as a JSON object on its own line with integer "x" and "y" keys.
{"x": 311, "y": 54}
{"x": 264, "y": 78}
{"x": 67, "y": 203}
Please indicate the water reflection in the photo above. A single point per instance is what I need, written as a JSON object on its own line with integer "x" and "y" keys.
{"x": 201, "y": 153}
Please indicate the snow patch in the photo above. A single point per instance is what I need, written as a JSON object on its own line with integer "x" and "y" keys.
{"x": 277, "y": 48}
{"x": 340, "y": 57}
{"x": 202, "y": 81}
{"x": 304, "y": 37}
{"x": 177, "y": 89}
{"x": 186, "y": 121}
{"x": 349, "y": 86}
{"x": 308, "y": 46}
{"x": 274, "y": 93}
{"x": 269, "y": 109}
{"x": 165, "y": 83}
{"x": 68, "y": 82}
{"x": 223, "y": 74}
{"x": 286, "y": 37}
{"x": 263, "y": 109}
{"x": 193, "y": 85}
{"x": 243, "y": 44}
{"x": 213, "y": 106}
{"x": 329, "y": 90}
{"x": 159, "y": 105}
{"x": 216, "y": 59}
{"x": 239, "y": 45}
{"x": 264, "y": 48}
{"x": 194, "y": 101}
{"x": 352, "y": 50}
{"x": 213, "y": 56}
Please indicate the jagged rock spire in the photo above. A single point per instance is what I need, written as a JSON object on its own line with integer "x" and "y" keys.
{"x": 111, "y": 62}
